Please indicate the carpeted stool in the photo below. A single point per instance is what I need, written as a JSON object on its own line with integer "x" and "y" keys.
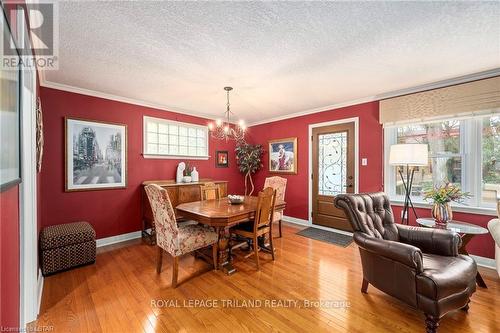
{"x": 65, "y": 246}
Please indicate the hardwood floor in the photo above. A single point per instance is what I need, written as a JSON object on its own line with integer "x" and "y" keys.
{"x": 119, "y": 293}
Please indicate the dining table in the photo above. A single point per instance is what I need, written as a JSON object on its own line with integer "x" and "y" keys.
{"x": 222, "y": 215}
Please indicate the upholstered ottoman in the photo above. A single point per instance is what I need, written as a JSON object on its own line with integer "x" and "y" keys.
{"x": 66, "y": 246}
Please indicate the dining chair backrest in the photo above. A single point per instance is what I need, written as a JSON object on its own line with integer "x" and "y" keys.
{"x": 277, "y": 183}
{"x": 265, "y": 208}
{"x": 164, "y": 217}
{"x": 209, "y": 191}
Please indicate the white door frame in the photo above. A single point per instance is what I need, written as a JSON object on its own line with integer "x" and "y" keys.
{"x": 28, "y": 241}
{"x": 354, "y": 120}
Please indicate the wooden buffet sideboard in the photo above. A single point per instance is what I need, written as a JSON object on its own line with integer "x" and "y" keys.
{"x": 178, "y": 193}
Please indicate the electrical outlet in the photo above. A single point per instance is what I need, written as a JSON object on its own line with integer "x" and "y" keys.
{"x": 364, "y": 161}
{"x": 405, "y": 215}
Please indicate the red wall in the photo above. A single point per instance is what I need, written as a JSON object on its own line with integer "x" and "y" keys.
{"x": 112, "y": 212}
{"x": 370, "y": 147}
{"x": 9, "y": 258}
{"x": 370, "y": 176}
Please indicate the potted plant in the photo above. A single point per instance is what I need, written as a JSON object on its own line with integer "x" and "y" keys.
{"x": 249, "y": 160}
{"x": 441, "y": 198}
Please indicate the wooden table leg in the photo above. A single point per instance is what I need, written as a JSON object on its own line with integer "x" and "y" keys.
{"x": 225, "y": 261}
{"x": 463, "y": 250}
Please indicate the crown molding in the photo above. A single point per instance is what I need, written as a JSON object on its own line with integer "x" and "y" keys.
{"x": 391, "y": 94}
{"x": 428, "y": 86}
{"x": 315, "y": 110}
{"x": 93, "y": 93}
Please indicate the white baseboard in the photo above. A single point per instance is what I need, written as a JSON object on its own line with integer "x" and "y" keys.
{"x": 40, "y": 291}
{"x": 306, "y": 223}
{"x": 118, "y": 238}
{"x": 484, "y": 262}
{"x": 296, "y": 220}
{"x": 481, "y": 261}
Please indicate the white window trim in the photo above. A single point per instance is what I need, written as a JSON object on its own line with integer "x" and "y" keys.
{"x": 170, "y": 122}
{"x": 474, "y": 151}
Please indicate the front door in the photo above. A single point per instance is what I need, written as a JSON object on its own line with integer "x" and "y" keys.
{"x": 333, "y": 173}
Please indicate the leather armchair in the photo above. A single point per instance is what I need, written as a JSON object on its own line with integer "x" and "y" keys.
{"x": 419, "y": 266}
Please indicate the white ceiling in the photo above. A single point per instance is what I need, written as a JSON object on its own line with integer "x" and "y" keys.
{"x": 280, "y": 57}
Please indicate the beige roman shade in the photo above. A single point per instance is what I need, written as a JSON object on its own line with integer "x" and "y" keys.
{"x": 464, "y": 99}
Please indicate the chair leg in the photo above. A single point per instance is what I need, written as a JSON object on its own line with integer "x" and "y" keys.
{"x": 159, "y": 258}
{"x": 466, "y": 307}
{"x": 271, "y": 246}
{"x": 279, "y": 226}
{"x": 256, "y": 252}
{"x": 364, "y": 286}
{"x": 214, "y": 255}
{"x": 431, "y": 323}
{"x": 175, "y": 271}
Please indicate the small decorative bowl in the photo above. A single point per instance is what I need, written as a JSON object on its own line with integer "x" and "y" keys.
{"x": 235, "y": 199}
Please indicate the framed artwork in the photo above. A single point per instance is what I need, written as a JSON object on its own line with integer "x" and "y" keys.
{"x": 221, "y": 159}
{"x": 283, "y": 155}
{"x": 96, "y": 155}
{"x": 10, "y": 119}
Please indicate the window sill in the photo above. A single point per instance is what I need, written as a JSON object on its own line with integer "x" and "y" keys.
{"x": 175, "y": 157}
{"x": 460, "y": 209}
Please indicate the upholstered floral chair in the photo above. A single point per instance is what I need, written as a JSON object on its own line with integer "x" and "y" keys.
{"x": 494, "y": 227}
{"x": 177, "y": 240}
{"x": 278, "y": 184}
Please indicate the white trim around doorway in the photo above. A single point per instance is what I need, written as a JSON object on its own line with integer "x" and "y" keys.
{"x": 30, "y": 284}
{"x": 354, "y": 120}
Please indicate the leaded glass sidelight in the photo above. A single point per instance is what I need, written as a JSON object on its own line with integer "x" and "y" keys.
{"x": 332, "y": 163}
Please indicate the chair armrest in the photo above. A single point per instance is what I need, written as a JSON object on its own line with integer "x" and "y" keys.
{"x": 431, "y": 240}
{"x": 403, "y": 253}
{"x": 494, "y": 227}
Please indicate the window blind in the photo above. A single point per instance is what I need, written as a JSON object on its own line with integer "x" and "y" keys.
{"x": 477, "y": 97}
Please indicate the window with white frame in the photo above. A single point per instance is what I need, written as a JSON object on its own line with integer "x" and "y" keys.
{"x": 462, "y": 151}
{"x": 172, "y": 139}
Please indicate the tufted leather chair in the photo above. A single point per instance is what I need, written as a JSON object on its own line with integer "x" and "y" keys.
{"x": 419, "y": 266}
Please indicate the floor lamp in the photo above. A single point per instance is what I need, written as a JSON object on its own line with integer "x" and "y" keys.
{"x": 409, "y": 155}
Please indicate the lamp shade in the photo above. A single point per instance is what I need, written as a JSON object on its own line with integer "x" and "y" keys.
{"x": 409, "y": 154}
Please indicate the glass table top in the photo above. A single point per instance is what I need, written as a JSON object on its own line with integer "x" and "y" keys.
{"x": 456, "y": 226}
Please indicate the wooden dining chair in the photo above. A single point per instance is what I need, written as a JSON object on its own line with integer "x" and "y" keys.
{"x": 177, "y": 240}
{"x": 278, "y": 184}
{"x": 209, "y": 191}
{"x": 260, "y": 226}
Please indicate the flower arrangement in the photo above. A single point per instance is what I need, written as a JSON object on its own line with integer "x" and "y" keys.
{"x": 446, "y": 193}
{"x": 441, "y": 197}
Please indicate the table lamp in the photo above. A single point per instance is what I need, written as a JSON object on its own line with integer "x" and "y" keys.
{"x": 409, "y": 155}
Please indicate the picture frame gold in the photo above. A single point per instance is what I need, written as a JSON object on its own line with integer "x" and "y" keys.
{"x": 282, "y": 156}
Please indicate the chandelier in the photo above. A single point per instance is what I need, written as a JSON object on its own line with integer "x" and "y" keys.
{"x": 223, "y": 130}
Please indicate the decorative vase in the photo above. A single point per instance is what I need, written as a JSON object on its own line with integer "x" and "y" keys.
{"x": 186, "y": 179}
{"x": 442, "y": 214}
{"x": 180, "y": 172}
{"x": 194, "y": 175}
